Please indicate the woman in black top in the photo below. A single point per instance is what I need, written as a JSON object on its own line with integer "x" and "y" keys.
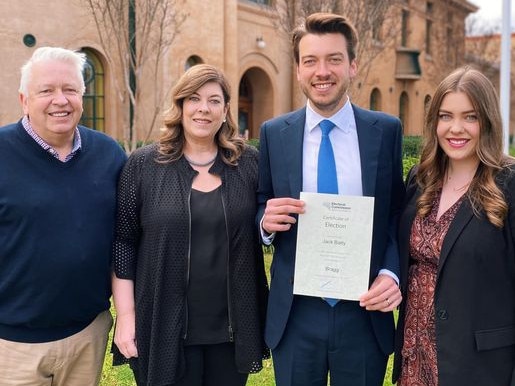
{"x": 189, "y": 286}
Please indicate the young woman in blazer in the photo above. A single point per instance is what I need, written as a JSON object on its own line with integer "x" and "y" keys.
{"x": 457, "y": 324}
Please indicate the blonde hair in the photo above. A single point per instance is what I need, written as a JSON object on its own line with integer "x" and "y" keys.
{"x": 483, "y": 193}
{"x": 171, "y": 142}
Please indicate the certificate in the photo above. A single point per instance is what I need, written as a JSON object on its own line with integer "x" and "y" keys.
{"x": 334, "y": 242}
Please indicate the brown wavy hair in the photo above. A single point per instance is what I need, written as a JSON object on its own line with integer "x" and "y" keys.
{"x": 325, "y": 23}
{"x": 483, "y": 193}
{"x": 171, "y": 141}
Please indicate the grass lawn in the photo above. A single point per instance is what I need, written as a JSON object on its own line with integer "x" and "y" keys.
{"x": 122, "y": 375}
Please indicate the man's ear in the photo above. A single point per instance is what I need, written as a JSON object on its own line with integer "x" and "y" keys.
{"x": 24, "y": 103}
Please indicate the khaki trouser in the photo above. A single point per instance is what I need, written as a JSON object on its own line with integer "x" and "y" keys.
{"x": 73, "y": 361}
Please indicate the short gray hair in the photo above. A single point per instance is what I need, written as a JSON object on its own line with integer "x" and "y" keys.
{"x": 43, "y": 54}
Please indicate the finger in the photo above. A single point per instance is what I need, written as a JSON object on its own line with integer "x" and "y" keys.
{"x": 382, "y": 284}
{"x": 378, "y": 288}
{"x": 387, "y": 300}
{"x": 376, "y": 295}
{"x": 387, "y": 304}
{"x": 284, "y": 210}
{"x": 273, "y": 228}
{"x": 279, "y": 219}
{"x": 389, "y": 297}
{"x": 277, "y": 223}
{"x": 131, "y": 350}
{"x": 391, "y": 304}
{"x": 284, "y": 201}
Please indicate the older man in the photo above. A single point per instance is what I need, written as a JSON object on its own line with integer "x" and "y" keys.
{"x": 57, "y": 210}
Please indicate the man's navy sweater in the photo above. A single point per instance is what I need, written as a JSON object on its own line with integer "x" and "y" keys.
{"x": 56, "y": 233}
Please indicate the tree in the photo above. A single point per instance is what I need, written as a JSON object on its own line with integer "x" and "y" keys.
{"x": 374, "y": 21}
{"x": 475, "y": 25}
{"x": 135, "y": 35}
{"x": 483, "y": 50}
{"x": 445, "y": 39}
{"x": 482, "y": 45}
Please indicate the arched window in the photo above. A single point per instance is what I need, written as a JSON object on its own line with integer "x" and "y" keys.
{"x": 255, "y": 101}
{"x": 245, "y": 107}
{"x": 375, "y": 99}
{"x": 192, "y": 61}
{"x": 93, "y": 115}
{"x": 404, "y": 110}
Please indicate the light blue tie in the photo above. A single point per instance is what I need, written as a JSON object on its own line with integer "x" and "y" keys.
{"x": 327, "y": 180}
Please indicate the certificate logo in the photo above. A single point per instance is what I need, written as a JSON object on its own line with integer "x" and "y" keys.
{"x": 336, "y": 206}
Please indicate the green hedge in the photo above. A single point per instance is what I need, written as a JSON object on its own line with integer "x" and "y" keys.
{"x": 411, "y": 146}
{"x": 407, "y": 164}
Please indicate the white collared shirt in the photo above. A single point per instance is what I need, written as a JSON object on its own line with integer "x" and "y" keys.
{"x": 77, "y": 142}
{"x": 344, "y": 139}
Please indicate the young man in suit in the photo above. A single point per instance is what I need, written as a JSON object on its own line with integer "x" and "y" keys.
{"x": 309, "y": 337}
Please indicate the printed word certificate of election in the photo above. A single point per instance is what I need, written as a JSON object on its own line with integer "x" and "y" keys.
{"x": 334, "y": 242}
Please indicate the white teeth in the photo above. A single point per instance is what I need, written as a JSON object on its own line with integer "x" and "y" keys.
{"x": 458, "y": 141}
{"x": 323, "y": 86}
{"x": 59, "y": 114}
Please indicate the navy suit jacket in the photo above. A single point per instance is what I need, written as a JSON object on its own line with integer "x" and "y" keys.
{"x": 280, "y": 175}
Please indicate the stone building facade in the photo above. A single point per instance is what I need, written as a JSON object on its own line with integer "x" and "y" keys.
{"x": 243, "y": 38}
{"x": 484, "y": 52}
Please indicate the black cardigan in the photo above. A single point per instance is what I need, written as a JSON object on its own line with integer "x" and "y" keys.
{"x": 152, "y": 249}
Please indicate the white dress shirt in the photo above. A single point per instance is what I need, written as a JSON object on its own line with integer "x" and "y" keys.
{"x": 344, "y": 139}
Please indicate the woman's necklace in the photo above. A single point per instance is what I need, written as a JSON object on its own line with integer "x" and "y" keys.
{"x": 458, "y": 188}
{"x": 200, "y": 164}
{"x": 461, "y": 187}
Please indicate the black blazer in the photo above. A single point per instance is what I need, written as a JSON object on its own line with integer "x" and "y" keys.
{"x": 281, "y": 142}
{"x": 474, "y": 296}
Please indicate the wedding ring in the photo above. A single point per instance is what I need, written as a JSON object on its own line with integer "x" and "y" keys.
{"x": 388, "y": 302}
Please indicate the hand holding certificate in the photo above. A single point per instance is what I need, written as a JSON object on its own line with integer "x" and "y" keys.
{"x": 334, "y": 242}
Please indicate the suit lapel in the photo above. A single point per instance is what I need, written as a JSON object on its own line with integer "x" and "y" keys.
{"x": 369, "y": 139}
{"x": 292, "y": 137}
{"x": 462, "y": 218}
{"x": 404, "y": 234}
